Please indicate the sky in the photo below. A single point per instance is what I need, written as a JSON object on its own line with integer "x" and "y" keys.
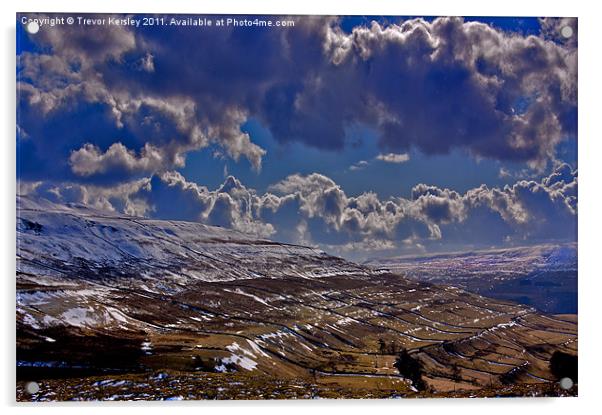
{"x": 364, "y": 136}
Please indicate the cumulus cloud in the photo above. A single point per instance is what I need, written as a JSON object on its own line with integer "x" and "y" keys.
{"x": 90, "y": 44}
{"x": 315, "y": 210}
{"x": 434, "y": 86}
{"x": 449, "y": 83}
{"x": 90, "y": 160}
{"x": 231, "y": 205}
{"x": 387, "y": 158}
{"x": 85, "y": 87}
{"x": 527, "y": 209}
{"x": 438, "y": 205}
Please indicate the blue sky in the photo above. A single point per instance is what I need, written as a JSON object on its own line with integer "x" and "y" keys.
{"x": 361, "y": 135}
{"x": 456, "y": 170}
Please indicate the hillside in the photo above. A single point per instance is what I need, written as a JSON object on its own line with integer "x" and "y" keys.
{"x": 118, "y": 307}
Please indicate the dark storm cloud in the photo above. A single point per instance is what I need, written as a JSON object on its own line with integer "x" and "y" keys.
{"x": 118, "y": 86}
{"x": 142, "y": 100}
{"x": 451, "y": 84}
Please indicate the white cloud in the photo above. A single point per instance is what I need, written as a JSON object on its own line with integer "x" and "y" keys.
{"x": 314, "y": 210}
{"x": 393, "y": 157}
{"x": 89, "y": 159}
{"x": 360, "y": 165}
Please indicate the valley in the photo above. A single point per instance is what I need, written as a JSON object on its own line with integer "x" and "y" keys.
{"x": 118, "y": 307}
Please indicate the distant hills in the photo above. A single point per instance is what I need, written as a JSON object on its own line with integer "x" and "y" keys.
{"x": 542, "y": 276}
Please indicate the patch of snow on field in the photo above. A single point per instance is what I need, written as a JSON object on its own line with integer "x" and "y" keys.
{"x": 146, "y": 347}
{"x": 117, "y": 315}
{"x": 345, "y": 321}
{"x": 36, "y": 297}
{"x": 241, "y": 361}
{"x": 50, "y": 321}
{"x": 79, "y": 316}
{"x": 275, "y": 335}
{"x": 504, "y": 325}
{"x": 246, "y": 294}
{"x": 256, "y": 349}
{"x": 29, "y": 319}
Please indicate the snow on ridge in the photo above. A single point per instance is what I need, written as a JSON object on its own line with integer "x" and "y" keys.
{"x": 60, "y": 222}
{"x": 58, "y": 239}
{"x": 31, "y": 206}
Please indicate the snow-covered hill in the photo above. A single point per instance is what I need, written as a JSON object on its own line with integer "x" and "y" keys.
{"x": 60, "y": 240}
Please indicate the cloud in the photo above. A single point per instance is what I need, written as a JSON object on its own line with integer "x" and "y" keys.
{"x": 433, "y": 86}
{"x": 90, "y": 160}
{"x": 232, "y": 205}
{"x": 504, "y": 173}
{"x": 147, "y": 63}
{"x": 107, "y": 117}
{"x": 393, "y": 158}
{"x": 438, "y": 205}
{"x": 526, "y": 210}
{"x": 78, "y": 77}
{"x": 360, "y": 165}
{"x": 534, "y": 210}
{"x": 552, "y": 28}
{"x": 387, "y": 158}
{"x": 453, "y": 84}
{"x": 315, "y": 210}
{"x": 88, "y": 45}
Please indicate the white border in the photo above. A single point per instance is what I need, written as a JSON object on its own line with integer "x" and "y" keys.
{"x": 590, "y": 232}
